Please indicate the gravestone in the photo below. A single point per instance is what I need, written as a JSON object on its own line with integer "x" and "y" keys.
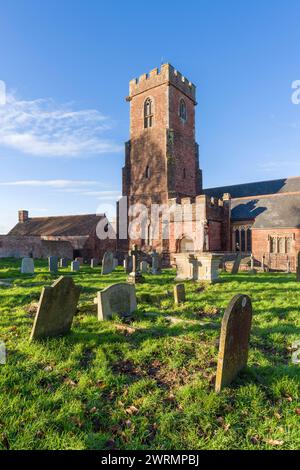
{"x": 252, "y": 268}
{"x": 155, "y": 262}
{"x": 53, "y": 264}
{"x": 144, "y": 267}
{"x": 80, "y": 260}
{"x": 179, "y": 294}
{"x": 198, "y": 266}
{"x": 94, "y": 262}
{"x": 115, "y": 263}
{"x": 135, "y": 277}
{"x": 288, "y": 266}
{"x": 63, "y": 263}
{"x": 128, "y": 264}
{"x": 27, "y": 266}
{"x": 117, "y": 299}
{"x": 107, "y": 263}
{"x": 57, "y": 307}
{"x": 236, "y": 265}
{"x": 298, "y": 267}
{"x": 234, "y": 340}
{"x": 75, "y": 266}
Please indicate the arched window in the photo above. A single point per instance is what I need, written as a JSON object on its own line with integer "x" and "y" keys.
{"x": 148, "y": 113}
{"x": 147, "y": 172}
{"x": 182, "y": 110}
{"x": 184, "y": 173}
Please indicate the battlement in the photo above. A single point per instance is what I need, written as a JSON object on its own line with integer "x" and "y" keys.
{"x": 167, "y": 74}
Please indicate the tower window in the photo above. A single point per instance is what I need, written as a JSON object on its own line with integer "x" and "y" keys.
{"x": 184, "y": 173}
{"x": 147, "y": 172}
{"x": 148, "y": 113}
{"x": 182, "y": 110}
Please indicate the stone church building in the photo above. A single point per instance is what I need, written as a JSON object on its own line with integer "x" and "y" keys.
{"x": 162, "y": 167}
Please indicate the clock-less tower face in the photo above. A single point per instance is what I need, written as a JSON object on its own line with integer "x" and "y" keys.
{"x": 161, "y": 156}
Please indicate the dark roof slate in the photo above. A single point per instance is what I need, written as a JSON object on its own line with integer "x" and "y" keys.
{"x": 69, "y": 225}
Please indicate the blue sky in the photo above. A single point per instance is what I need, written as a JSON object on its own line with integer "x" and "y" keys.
{"x": 66, "y": 65}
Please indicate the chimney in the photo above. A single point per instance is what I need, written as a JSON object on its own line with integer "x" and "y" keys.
{"x": 23, "y": 216}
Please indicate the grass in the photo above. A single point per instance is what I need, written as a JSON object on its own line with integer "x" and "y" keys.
{"x": 150, "y": 384}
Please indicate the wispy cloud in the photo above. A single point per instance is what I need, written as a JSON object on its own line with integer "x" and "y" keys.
{"x": 44, "y": 128}
{"x": 57, "y": 184}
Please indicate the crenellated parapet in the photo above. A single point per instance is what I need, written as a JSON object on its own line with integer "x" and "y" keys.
{"x": 167, "y": 74}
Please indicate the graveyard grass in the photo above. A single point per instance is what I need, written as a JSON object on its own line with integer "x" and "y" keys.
{"x": 148, "y": 384}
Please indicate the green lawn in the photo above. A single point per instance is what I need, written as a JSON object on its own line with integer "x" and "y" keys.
{"x": 150, "y": 384}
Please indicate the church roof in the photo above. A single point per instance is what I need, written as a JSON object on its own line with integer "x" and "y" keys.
{"x": 66, "y": 225}
{"x": 286, "y": 185}
{"x": 270, "y": 204}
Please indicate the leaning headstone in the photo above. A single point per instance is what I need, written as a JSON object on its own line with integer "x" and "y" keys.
{"x": 57, "y": 307}
{"x": 94, "y": 262}
{"x": 53, "y": 264}
{"x": 119, "y": 299}
{"x": 63, "y": 263}
{"x": 144, "y": 267}
{"x": 75, "y": 266}
{"x": 298, "y": 267}
{"x": 236, "y": 265}
{"x": 27, "y": 266}
{"x": 107, "y": 263}
{"x": 155, "y": 262}
{"x": 179, "y": 293}
{"x": 234, "y": 340}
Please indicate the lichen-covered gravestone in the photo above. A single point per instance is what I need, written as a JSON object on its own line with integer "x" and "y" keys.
{"x": 57, "y": 307}
{"x": 27, "y": 266}
{"x": 75, "y": 266}
{"x": 53, "y": 264}
{"x": 179, "y": 293}
{"x": 117, "y": 299}
{"x": 107, "y": 263}
{"x": 155, "y": 262}
{"x": 234, "y": 340}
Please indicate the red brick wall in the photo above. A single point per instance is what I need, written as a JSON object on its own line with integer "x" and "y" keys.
{"x": 260, "y": 245}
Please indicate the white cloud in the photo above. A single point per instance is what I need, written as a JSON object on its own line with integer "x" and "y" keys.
{"x": 44, "y": 128}
{"x": 57, "y": 184}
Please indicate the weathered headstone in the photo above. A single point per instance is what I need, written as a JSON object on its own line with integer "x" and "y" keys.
{"x": 53, "y": 264}
{"x": 298, "y": 267}
{"x": 155, "y": 262}
{"x": 94, "y": 262}
{"x": 252, "y": 268}
{"x": 27, "y": 266}
{"x": 236, "y": 265}
{"x": 63, "y": 263}
{"x": 117, "y": 299}
{"x": 75, "y": 266}
{"x": 144, "y": 267}
{"x": 135, "y": 277}
{"x": 107, "y": 263}
{"x": 234, "y": 340}
{"x": 80, "y": 260}
{"x": 179, "y": 293}
{"x": 57, "y": 307}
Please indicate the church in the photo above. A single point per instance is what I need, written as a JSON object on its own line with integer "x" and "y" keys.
{"x": 162, "y": 167}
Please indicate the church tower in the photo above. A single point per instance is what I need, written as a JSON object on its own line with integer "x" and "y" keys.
{"x": 161, "y": 161}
